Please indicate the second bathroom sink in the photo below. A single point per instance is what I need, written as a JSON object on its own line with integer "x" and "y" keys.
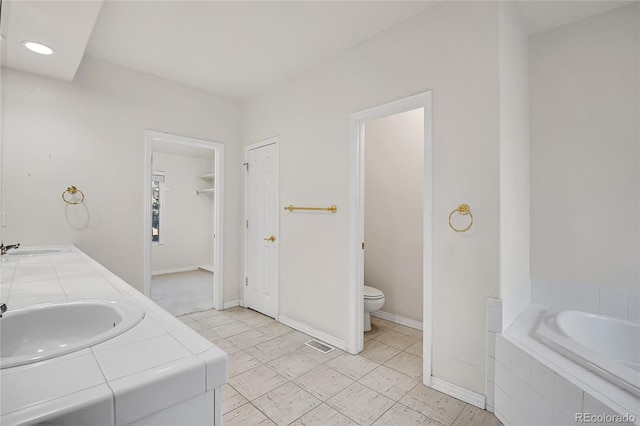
{"x": 37, "y": 252}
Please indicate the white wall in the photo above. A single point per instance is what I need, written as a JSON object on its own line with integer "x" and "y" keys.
{"x": 514, "y": 152}
{"x": 187, "y": 229}
{"x": 394, "y": 185}
{"x": 585, "y": 180}
{"x": 453, "y": 50}
{"x": 90, "y": 133}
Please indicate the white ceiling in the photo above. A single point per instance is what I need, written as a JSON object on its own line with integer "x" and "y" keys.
{"x": 233, "y": 48}
{"x": 237, "y": 48}
{"x": 65, "y": 26}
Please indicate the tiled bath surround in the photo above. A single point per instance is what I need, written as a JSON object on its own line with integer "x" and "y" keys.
{"x": 529, "y": 383}
{"x": 613, "y": 301}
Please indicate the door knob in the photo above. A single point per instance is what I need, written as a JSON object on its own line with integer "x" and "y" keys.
{"x": 271, "y": 238}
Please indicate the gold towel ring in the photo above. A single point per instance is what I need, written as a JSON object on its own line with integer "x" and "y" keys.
{"x": 463, "y": 209}
{"x": 73, "y": 190}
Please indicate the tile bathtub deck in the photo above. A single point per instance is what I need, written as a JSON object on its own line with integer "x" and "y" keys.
{"x": 274, "y": 378}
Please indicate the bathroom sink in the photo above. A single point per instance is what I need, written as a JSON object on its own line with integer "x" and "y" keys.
{"x": 37, "y": 252}
{"x": 39, "y": 332}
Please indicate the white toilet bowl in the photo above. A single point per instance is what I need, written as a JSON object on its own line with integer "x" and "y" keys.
{"x": 373, "y": 300}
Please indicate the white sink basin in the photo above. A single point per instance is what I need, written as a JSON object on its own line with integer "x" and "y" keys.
{"x": 39, "y": 332}
{"x": 36, "y": 252}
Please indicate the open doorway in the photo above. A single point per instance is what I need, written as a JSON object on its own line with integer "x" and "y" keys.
{"x": 183, "y": 223}
{"x": 391, "y": 119}
{"x": 393, "y": 219}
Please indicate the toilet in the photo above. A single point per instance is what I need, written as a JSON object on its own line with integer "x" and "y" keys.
{"x": 373, "y": 300}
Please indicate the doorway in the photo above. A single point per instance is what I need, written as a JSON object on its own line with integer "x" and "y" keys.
{"x": 357, "y": 220}
{"x": 183, "y": 222}
{"x": 261, "y": 290}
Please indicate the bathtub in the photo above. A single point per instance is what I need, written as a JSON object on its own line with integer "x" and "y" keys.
{"x": 606, "y": 345}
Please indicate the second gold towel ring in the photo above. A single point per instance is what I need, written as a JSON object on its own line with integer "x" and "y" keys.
{"x": 73, "y": 190}
{"x": 463, "y": 210}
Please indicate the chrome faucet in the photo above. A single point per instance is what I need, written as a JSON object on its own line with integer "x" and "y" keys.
{"x": 4, "y": 249}
{"x": 3, "y": 309}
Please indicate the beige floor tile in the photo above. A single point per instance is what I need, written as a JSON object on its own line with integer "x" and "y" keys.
{"x": 375, "y": 331}
{"x": 293, "y": 364}
{"x": 227, "y": 346}
{"x": 297, "y": 336}
{"x": 238, "y": 312}
{"x": 474, "y": 416}
{"x": 205, "y": 314}
{"x": 274, "y": 329}
{"x": 285, "y": 404}
{"x": 286, "y": 351}
{"x": 275, "y": 348}
{"x": 397, "y": 340}
{"x": 323, "y": 415}
{"x": 401, "y": 415}
{"x": 231, "y": 329}
{"x": 210, "y": 335}
{"x": 256, "y": 382}
{"x": 431, "y": 403}
{"x": 245, "y": 416}
{"x": 382, "y": 322}
{"x": 318, "y": 356}
{"x": 408, "y": 331}
{"x": 415, "y": 349}
{"x": 323, "y": 382}
{"x": 352, "y": 366}
{"x": 199, "y": 327}
{"x": 240, "y": 362}
{"x": 389, "y": 382}
{"x": 231, "y": 399}
{"x": 248, "y": 339}
{"x": 360, "y": 404}
{"x": 185, "y": 319}
{"x": 408, "y": 364}
{"x": 215, "y": 321}
{"x": 378, "y": 352}
{"x": 257, "y": 320}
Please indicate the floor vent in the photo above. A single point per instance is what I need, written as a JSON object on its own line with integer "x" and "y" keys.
{"x": 318, "y": 346}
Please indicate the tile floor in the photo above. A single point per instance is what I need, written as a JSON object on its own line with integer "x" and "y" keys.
{"x": 274, "y": 378}
{"x": 183, "y": 292}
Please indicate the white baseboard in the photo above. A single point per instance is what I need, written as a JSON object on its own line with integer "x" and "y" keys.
{"x": 501, "y": 417}
{"x": 174, "y": 270}
{"x": 208, "y": 267}
{"x": 320, "y": 335}
{"x": 397, "y": 319}
{"x": 459, "y": 392}
{"x": 231, "y": 304}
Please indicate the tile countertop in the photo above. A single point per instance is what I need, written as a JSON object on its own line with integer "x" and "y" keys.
{"x": 158, "y": 363}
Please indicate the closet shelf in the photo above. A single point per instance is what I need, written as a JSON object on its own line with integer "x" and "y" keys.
{"x": 205, "y": 191}
{"x": 209, "y": 177}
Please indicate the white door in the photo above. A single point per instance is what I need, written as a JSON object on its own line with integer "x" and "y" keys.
{"x": 261, "y": 282}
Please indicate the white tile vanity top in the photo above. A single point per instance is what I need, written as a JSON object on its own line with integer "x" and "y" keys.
{"x": 156, "y": 364}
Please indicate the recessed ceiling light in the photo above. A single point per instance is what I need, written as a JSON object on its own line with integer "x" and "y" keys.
{"x": 36, "y": 47}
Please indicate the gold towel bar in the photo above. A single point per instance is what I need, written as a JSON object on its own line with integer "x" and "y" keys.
{"x": 73, "y": 190}
{"x": 463, "y": 210}
{"x": 331, "y": 209}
